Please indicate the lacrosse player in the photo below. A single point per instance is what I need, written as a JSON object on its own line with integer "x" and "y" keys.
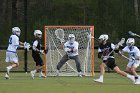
{"x": 36, "y": 51}
{"x": 71, "y": 49}
{"x": 104, "y": 50}
{"x": 11, "y": 53}
{"x": 134, "y": 58}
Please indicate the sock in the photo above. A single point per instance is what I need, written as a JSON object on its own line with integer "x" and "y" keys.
{"x": 9, "y": 67}
{"x": 41, "y": 73}
{"x": 129, "y": 76}
{"x": 35, "y": 71}
{"x": 101, "y": 77}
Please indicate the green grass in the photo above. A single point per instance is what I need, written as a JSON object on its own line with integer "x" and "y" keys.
{"x": 22, "y": 83}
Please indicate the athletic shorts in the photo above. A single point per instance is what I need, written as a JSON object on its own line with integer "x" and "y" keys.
{"x": 134, "y": 64}
{"x": 110, "y": 63}
{"x": 38, "y": 60}
{"x": 11, "y": 57}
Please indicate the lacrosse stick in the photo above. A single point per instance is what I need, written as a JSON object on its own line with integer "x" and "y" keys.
{"x": 133, "y": 34}
{"x": 130, "y": 59}
{"x": 60, "y": 34}
{"x": 117, "y": 46}
{"x": 89, "y": 36}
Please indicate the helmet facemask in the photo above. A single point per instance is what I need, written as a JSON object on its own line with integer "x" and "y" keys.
{"x": 16, "y": 31}
{"x": 38, "y": 34}
{"x": 71, "y": 38}
{"x": 103, "y": 38}
{"x": 130, "y": 42}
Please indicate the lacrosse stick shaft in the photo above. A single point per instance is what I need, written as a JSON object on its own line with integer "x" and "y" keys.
{"x": 125, "y": 57}
{"x": 133, "y": 34}
{"x": 138, "y": 35}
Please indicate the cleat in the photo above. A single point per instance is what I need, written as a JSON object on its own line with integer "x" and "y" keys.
{"x": 80, "y": 74}
{"x": 98, "y": 80}
{"x": 7, "y": 76}
{"x": 57, "y": 72}
{"x": 137, "y": 82}
{"x": 133, "y": 79}
{"x": 42, "y": 75}
{"x": 8, "y": 70}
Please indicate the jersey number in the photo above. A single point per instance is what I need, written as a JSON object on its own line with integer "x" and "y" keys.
{"x": 10, "y": 40}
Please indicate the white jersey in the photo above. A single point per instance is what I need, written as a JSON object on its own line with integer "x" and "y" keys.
{"x": 73, "y": 46}
{"x": 133, "y": 52}
{"x": 13, "y": 43}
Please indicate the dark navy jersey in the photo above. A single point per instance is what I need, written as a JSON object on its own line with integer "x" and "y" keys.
{"x": 106, "y": 49}
{"x": 37, "y": 44}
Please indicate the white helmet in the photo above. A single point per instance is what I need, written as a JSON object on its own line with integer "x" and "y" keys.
{"x": 16, "y": 31}
{"x": 37, "y": 32}
{"x": 103, "y": 37}
{"x": 130, "y": 42}
{"x": 71, "y": 38}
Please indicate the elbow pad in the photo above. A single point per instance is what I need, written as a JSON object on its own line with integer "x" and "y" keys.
{"x": 116, "y": 51}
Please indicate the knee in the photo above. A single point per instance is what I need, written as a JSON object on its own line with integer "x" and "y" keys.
{"x": 101, "y": 66}
{"x": 128, "y": 71}
{"x": 17, "y": 64}
{"x": 117, "y": 70}
{"x": 132, "y": 69}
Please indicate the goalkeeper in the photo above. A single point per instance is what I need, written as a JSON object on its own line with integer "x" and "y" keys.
{"x": 11, "y": 53}
{"x": 104, "y": 50}
{"x": 36, "y": 51}
{"x": 71, "y": 49}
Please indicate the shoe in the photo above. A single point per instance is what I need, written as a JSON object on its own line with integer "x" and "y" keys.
{"x": 137, "y": 81}
{"x": 41, "y": 75}
{"x": 8, "y": 70}
{"x": 57, "y": 72}
{"x": 98, "y": 80}
{"x": 7, "y": 76}
{"x": 32, "y": 74}
{"x": 80, "y": 74}
{"x": 133, "y": 79}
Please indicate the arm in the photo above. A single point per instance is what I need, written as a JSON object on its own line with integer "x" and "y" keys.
{"x": 36, "y": 49}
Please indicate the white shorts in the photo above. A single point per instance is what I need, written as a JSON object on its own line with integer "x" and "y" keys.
{"x": 11, "y": 57}
{"x": 135, "y": 64}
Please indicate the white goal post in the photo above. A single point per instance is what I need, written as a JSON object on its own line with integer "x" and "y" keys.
{"x": 55, "y": 36}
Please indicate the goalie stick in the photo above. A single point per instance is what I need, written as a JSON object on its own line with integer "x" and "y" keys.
{"x": 60, "y": 34}
{"x": 133, "y": 34}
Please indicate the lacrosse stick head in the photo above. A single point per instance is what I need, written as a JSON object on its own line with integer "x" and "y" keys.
{"x": 130, "y": 42}
{"x": 121, "y": 42}
{"x": 131, "y": 33}
{"x": 60, "y": 34}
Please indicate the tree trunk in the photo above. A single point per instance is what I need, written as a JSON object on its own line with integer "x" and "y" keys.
{"x": 136, "y": 9}
{"x": 14, "y": 12}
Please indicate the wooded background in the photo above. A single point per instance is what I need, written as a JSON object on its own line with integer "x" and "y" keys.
{"x": 114, "y": 17}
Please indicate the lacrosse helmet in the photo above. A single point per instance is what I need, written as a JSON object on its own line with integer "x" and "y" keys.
{"x": 130, "y": 42}
{"x": 71, "y": 38}
{"x": 38, "y": 34}
{"x": 103, "y": 37}
{"x": 16, "y": 31}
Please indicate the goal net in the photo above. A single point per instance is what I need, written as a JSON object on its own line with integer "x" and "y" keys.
{"x": 55, "y": 35}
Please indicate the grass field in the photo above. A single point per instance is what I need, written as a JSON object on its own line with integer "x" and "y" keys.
{"x": 22, "y": 83}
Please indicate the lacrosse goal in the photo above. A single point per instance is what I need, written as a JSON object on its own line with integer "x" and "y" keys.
{"x": 84, "y": 35}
